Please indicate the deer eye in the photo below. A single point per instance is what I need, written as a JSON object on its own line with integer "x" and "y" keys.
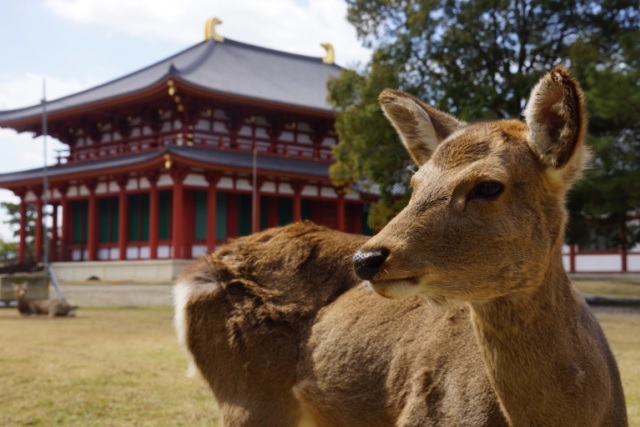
{"x": 488, "y": 190}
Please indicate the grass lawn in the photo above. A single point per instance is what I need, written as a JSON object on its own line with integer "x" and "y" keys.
{"x": 618, "y": 288}
{"x": 106, "y": 367}
{"x": 123, "y": 367}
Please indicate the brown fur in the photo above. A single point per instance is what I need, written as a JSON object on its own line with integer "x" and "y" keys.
{"x": 545, "y": 354}
{"x": 286, "y": 335}
{"x": 279, "y": 326}
{"x": 51, "y": 307}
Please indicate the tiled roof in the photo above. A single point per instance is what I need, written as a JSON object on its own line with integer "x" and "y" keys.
{"x": 212, "y": 159}
{"x": 229, "y": 68}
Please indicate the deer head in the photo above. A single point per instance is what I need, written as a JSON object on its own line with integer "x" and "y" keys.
{"x": 486, "y": 216}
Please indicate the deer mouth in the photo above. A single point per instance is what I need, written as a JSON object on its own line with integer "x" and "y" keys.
{"x": 397, "y": 288}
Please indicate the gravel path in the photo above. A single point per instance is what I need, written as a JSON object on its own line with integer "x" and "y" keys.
{"x": 100, "y": 295}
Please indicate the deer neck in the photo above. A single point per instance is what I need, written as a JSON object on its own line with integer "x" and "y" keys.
{"x": 530, "y": 361}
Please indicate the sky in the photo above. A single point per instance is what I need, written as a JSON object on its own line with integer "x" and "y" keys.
{"x": 60, "y": 47}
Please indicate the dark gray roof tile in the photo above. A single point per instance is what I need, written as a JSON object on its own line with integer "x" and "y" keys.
{"x": 229, "y": 67}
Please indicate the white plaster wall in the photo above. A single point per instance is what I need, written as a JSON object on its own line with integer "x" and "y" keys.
{"x": 633, "y": 262}
{"x": 310, "y": 190}
{"x": 30, "y": 197}
{"x": 268, "y": 187}
{"x": 196, "y": 180}
{"x": 329, "y": 192}
{"x": 165, "y": 181}
{"x": 285, "y": 188}
{"x": 225, "y": 183}
{"x": 598, "y": 263}
{"x": 144, "y": 183}
{"x": 164, "y": 251}
{"x": 145, "y": 271}
{"x": 73, "y": 191}
{"x": 198, "y": 250}
{"x": 243, "y": 184}
{"x": 102, "y": 188}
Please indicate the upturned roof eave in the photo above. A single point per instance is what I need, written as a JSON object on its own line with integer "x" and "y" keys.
{"x": 34, "y": 117}
{"x": 94, "y": 169}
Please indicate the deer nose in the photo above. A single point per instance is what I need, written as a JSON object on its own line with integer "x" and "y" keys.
{"x": 369, "y": 263}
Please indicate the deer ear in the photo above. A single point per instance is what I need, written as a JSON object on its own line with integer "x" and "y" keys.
{"x": 420, "y": 126}
{"x": 556, "y": 118}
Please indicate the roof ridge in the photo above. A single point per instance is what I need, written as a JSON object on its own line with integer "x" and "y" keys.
{"x": 278, "y": 52}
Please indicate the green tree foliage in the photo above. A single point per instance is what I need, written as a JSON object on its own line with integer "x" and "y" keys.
{"x": 8, "y": 252}
{"x": 476, "y": 60}
{"x": 611, "y": 190}
{"x": 13, "y": 214}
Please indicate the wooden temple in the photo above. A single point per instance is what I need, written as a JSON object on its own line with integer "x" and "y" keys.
{"x": 220, "y": 140}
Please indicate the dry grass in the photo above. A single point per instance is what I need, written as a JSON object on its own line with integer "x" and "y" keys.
{"x": 123, "y": 367}
{"x": 623, "y": 332}
{"x": 619, "y": 288}
{"x": 107, "y": 367}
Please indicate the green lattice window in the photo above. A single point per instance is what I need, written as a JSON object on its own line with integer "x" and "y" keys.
{"x": 305, "y": 209}
{"x": 164, "y": 215}
{"x": 80, "y": 220}
{"x": 200, "y": 210}
{"x": 221, "y": 217}
{"x": 244, "y": 214}
{"x": 138, "y": 217}
{"x": 109, "y": 221}
{"x": 285, "y": 211}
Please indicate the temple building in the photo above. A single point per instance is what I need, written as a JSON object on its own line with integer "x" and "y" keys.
{"x": 164, "y": 164}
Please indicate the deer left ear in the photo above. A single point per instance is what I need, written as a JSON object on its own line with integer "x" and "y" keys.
{"x": 557, "y": 122}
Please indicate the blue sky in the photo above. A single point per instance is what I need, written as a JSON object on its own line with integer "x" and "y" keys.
{"x": 76, "y": 44}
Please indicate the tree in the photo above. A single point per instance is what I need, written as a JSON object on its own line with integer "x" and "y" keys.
{"x": 611, "y": 190}
{"x": 474, "y": 59}
{"x": 13, "y": 214}
{"x": 8, "y": 252}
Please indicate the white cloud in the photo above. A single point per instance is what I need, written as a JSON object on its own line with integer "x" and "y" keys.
{"x": 280, "y": 24}
{"x": 26, "y": 90}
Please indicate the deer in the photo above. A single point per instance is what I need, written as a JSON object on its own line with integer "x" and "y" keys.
{"x": 50, "y": 307}
{"x": 458, "y": 312}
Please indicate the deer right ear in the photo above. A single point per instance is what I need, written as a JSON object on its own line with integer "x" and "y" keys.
{"x": 557, "y": 124}
{"x": 420, "y": 126}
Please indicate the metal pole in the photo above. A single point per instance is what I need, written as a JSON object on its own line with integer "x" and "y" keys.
{"x": 45, "y": 181}
{"x": 48, "y": 271}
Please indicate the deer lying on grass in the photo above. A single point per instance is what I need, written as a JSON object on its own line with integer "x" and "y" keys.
{"x": 284, "y": 335}
{"x": 51, "y": 307}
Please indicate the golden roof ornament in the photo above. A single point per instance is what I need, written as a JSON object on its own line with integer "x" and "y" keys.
{"x": 330, "y": 55}
{"x": 210, "y": 30}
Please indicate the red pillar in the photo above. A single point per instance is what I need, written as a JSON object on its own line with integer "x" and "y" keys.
{"x": 255, "y": 207}
{"x": 623, "y": 253}
{"x": 92, "y": 232}
{"x": 297, "y": 201}
{"x": 22, "y": 245}
{"x": 341, "y": 213}
{"x": 64, "y": 226}
{"x": 572, "y": 258}
{"x": 39, "y": 237}
{"x": 272, "y": 212}
{"x": 154, "y": 216}
{"x": 53, "y": 244}
{"x": 123, "y": 218}
{"x": 212, "y": 208}
{"x": 233, "y": 223}
{"x": 178, "y": 213}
